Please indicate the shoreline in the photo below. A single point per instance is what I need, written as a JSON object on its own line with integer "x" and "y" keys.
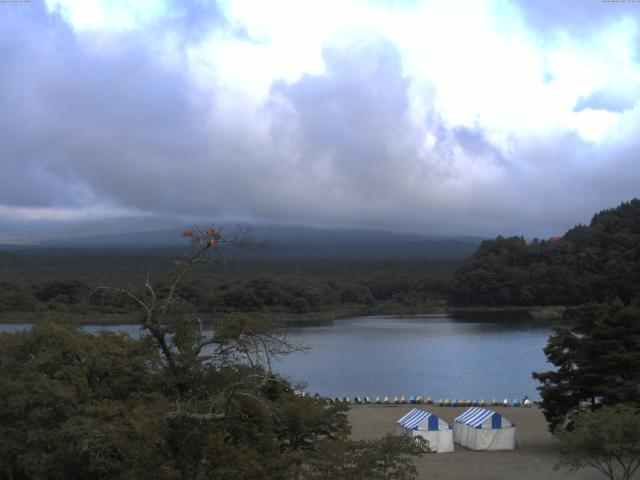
{"x": 536, "y": 312}
{"x": 553, "y": 312}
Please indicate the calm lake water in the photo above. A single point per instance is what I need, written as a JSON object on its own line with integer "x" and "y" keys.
{"x": 443, "y": 356}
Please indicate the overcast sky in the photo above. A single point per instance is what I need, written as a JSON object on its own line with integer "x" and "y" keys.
{"x": 442, "y": 117}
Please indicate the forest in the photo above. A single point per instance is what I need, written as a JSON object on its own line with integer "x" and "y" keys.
{"x": 51, "y": 282}
{"x": 589, "y": 263}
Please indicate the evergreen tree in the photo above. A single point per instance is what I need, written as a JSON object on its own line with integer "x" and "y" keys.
{"x": 588, "y": 264}
{"x": 597, "y": 361}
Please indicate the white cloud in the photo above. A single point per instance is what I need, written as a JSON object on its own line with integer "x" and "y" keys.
{"x": 465, "y": 118}
{"x": 108, "y": 14}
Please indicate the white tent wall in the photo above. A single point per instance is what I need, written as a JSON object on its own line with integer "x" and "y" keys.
{"x": 428, "y": 426}
{"x": 440, "y": 441}
{"x": 481, "y": 429}
{"x": 485, "y": 439}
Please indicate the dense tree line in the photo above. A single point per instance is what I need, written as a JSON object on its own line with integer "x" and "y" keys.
{"x": 36, "y": 283}
{"x": 588, "y": 264}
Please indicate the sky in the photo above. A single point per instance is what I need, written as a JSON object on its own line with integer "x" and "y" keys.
{"x": 457, "y": 117}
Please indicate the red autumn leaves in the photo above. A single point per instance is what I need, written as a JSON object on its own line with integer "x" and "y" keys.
{"x": 210, "y": 238}
{"x": 213, "y": 236}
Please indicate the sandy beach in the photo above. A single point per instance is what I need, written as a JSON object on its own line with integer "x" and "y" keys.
{"x": 534, "y": 460}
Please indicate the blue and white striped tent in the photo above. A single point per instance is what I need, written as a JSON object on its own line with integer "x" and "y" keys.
{"x": 481, "y": 429}
{"x": 478, "y": 417}
{"x": 428, "y": 426}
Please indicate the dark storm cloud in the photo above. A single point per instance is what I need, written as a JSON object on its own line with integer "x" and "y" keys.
{"x": 114, "y": 124}
{"x": 24, "y": 121}
{"x": 106, "y": 123}
{"x": 351, "y": 121}
{"x": 364, "y": 157}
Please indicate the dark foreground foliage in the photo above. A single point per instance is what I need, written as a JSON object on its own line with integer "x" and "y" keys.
{"x": 607, "y": 440}
{"x": 177, "y": 404}
{"x": 588, "y": 264}
{"x": 81, "y": 406}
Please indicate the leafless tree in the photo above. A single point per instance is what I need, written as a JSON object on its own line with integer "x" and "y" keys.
{"x": 183, "y": 342}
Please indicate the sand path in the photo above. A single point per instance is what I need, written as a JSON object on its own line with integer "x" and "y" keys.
{"x": 535, "y": 460}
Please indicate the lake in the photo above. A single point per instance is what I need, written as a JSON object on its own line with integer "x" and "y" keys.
{"x": 444, "y": 356}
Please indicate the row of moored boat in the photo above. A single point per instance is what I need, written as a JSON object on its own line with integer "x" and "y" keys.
{"x": 429, "y": 401}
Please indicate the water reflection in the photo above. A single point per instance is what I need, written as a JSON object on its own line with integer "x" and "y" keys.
{"x": 458, "y": 356}
{"x": 437, "y": 355}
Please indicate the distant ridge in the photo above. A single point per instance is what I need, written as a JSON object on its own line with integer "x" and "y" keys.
{"x": 285, "y": 242}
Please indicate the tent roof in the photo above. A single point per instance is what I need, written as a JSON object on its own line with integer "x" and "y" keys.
{"x": 474, "y": 417}
{"x": 414, "y": 418}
